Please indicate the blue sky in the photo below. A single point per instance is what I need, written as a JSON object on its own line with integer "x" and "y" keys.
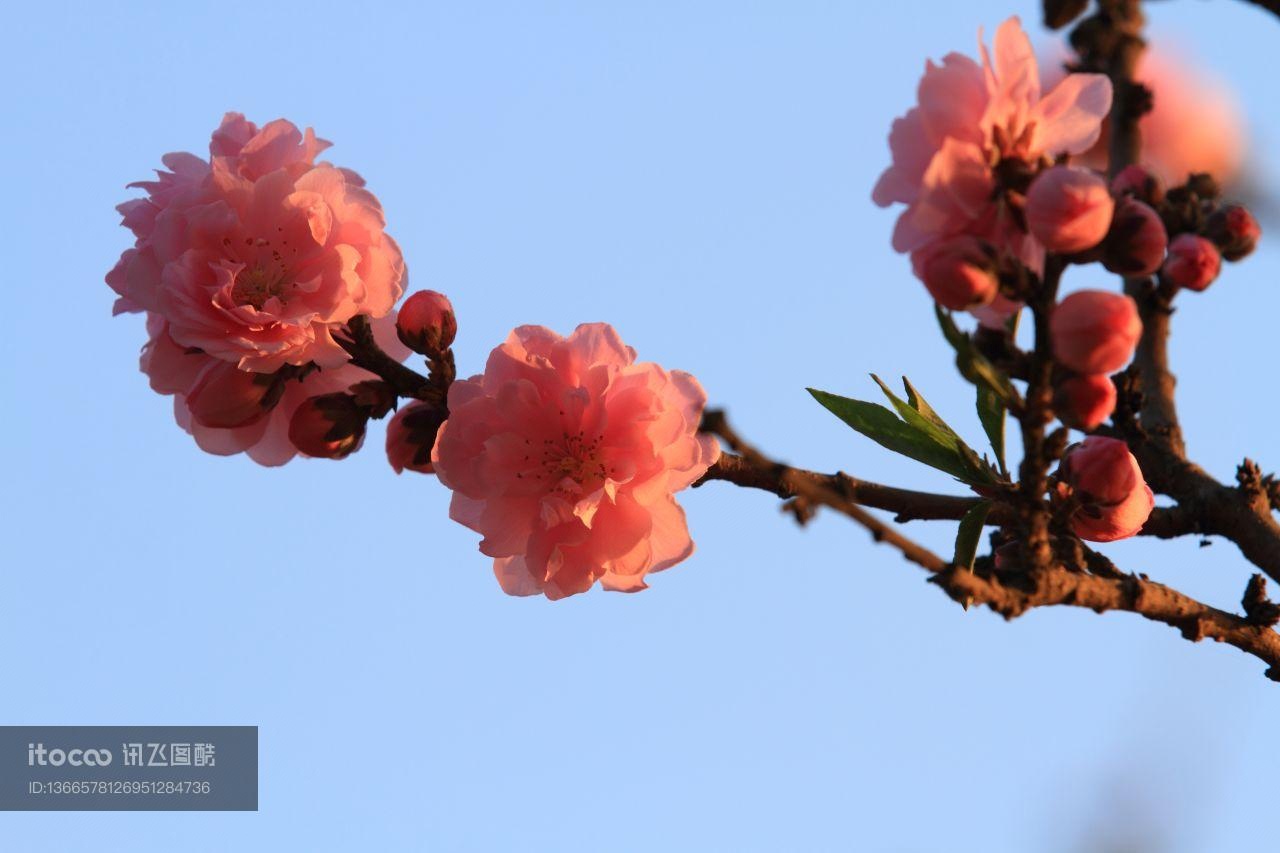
{"x": 700, "y": 177}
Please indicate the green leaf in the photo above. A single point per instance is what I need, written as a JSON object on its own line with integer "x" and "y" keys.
{"x": 970, "y": 534}
{"x": 991, "y": 412}
{"x": 926, "y": 439}
{"x": 972, "y": 364}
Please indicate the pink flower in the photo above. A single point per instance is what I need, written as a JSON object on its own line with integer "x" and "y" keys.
{"x": 1084, "y": 402}
{"x": 256, "y": 256}
{"x": 959, "y": 272}
{"x": 1069, "y": 209}
{"x": 566, "y": 454}
{"x": 963, "y": 155}
{"x": 218, "y": 404}
{"x": 1095, "y": 331}
{"x": 1193, "y": 262}
{"x": 1114, "y": 499}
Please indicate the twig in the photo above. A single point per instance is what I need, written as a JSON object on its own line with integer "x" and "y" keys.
{"x": 366, "y": 353}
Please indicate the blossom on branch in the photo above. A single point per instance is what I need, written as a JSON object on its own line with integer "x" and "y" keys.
{"x": 566, "y": 454}
{"x": 964, "y": 156}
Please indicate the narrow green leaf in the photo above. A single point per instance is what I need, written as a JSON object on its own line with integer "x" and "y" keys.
{"x": 886, "y": 429}
{"x": 911, "y": 435}
{"x": 926, "y": 421}
{"x": 970, "y": 534}
{"x": 991, "y": 412}
{"x": 972, "y": 364}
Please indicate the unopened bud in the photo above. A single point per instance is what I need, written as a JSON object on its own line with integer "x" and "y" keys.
{"x": 426, "y": 323}
{"x": 1193, "y": 262}
{"x": 1095, "y": 331}
{"x": 1114, "y": 500}
{"x": 1136, "y": 243}
{"x": 1084, "y": 402}
{"x": 1139, "y": 182}
{"x": 1234, "y": 230}
{"x": 411, "y": 435}
{"x": 1068, "y": 209}
{"x": 330, "y": 426}
{"x": 959, "y": 272}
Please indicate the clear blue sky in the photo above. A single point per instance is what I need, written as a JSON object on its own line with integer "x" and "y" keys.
{"x": 700, "y": 178}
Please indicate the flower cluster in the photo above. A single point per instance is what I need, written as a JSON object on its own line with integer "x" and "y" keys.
{"x": 246, "y": 265}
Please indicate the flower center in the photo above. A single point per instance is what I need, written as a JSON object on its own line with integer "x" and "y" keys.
{"x": 255, "y": 285}
{"x": 574, "y": 458}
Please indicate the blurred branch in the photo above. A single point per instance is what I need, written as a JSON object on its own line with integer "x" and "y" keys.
{"x": 1272, "y": 6}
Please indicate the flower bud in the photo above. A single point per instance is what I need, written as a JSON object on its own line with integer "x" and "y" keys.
{"x": 1137, "y": 240}
{"x": 1114, "y": 499}
{"x": 959, "y": 272}
{"x": 330, "y": 426}
{"x": 1234, "y": 230}
{"x": 225, "y": 397}
{"x": 1095, "y": 331}
{"x": 1193, "y": 262}
{"x": 1136, "y": 181}
{"x": 426, "y": 323}
{"x": 1084, "y": 402}
{"x": 1068, "y": 209}
{"x": 410, "y": 436}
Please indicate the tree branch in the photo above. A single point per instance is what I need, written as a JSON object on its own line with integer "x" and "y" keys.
{"x": 1008, "y": 592}
{"x": 366, "y": 353}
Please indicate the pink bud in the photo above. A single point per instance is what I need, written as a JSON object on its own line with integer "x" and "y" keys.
{"x": 330, "y": 426}
{"x": 1137, "y": 240}
{"x": 1136, "y": 181}
{"x": 410, "y": 436}
{"x": 226, "y": 397}
{"x": 1193, "y": 262}
{"x": 1083, "y": 402}
{"x": 426, "y": 323}
{"x": 1235, "y": 231}
{"x": 1095, "y": 331}
{"x": 959, "y": 272}
{"x": 1114, "y": 499}
{"x": 1068, "y": 209}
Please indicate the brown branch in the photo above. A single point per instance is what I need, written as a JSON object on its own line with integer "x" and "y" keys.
{"x": 817, "y": 491}
{"x": 1008, "y": 592}
{"x": 366, "y": 353}
{"x": 1059, "y": 585}
{"x": 1272, "y": 6}
{"x": 905, "y": 504}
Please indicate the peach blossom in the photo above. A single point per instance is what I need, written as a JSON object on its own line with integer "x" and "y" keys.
{"x": 962, "y": 154}
{"x": 1114, "y": 499}
{"x": 565, "y": 454}
{"x": 257, "y": 255}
